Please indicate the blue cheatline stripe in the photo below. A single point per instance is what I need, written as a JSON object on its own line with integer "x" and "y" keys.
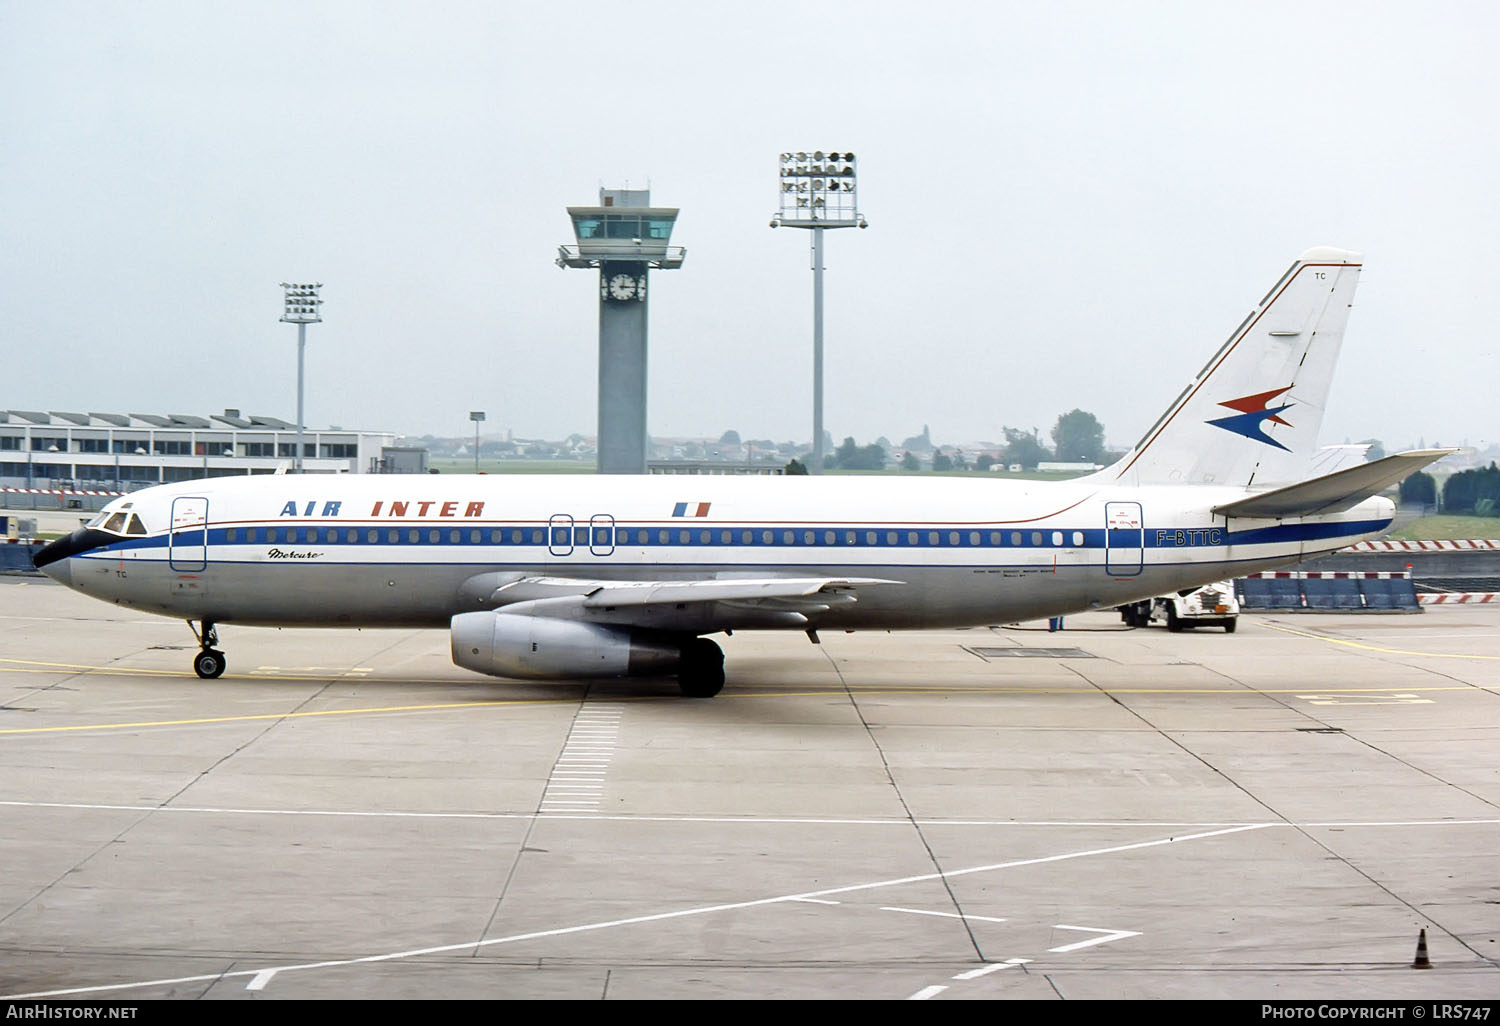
{"x": 1120, "y": 542}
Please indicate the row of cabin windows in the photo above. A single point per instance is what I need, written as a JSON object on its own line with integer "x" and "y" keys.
{"x": 558, "y": 536}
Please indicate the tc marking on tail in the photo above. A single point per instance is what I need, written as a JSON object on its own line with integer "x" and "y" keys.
{"x": 1254, "y": 411}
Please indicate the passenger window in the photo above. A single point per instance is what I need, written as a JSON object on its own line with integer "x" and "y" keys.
{"x": 351, "y": 536}
{"x": 1077, "y": 537}
{"x": 1015, "y": 537}
{"x": 231, "y": 536}
{"x": 952, "y": 537}
{"x": 1056, "y": 537}
{"x": 372, "y": 536}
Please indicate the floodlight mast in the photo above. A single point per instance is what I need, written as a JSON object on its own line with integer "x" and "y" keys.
{"x": 477, "y": 416}
{"x": 818, "y": 191}
{"x": 301, "y": 309}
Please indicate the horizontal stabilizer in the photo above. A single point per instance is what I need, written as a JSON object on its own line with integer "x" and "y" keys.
{"x": 1334, "y": 492}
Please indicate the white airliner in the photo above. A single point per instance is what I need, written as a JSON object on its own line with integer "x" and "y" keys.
{"x": 584, "y": 577}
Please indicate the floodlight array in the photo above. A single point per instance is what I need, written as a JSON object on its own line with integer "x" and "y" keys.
{"x": 302, "y": 302}
{"x": 818, "y": 186}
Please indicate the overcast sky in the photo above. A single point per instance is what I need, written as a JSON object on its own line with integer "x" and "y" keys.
{"x": 1070, "y": 205}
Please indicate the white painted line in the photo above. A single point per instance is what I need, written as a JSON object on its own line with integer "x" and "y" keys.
{"x": 974, "y": 974}
{"x": 926, "y": 992}
{"x": 1109, "y": 935}
{"x": 899, "y": 822}
{"x": 945, "y": 915}
{"x": 658, "y": 917}
{"x": 818, "y": 901}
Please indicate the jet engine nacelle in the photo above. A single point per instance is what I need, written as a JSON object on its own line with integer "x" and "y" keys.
{"x": 542, "y": 648}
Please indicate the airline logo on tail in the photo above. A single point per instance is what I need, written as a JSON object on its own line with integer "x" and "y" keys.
{"x": 1254, "y": 411}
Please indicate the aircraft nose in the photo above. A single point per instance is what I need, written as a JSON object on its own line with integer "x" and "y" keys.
{"x": 53, "y": 559}
{"x": 60, "y": 570}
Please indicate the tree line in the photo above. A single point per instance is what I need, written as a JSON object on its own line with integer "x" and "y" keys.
{"x": 1077, "y": 437}
{"x": 1473, "y": 492}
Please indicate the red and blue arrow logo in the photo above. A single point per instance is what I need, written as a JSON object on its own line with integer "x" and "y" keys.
{"x": 1254, "y": 411}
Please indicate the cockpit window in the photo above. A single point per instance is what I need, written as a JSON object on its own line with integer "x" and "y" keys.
{"x": 120, "y": 522}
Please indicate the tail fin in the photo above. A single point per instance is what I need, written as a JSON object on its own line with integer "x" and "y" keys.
{"x": 1252, "y": 414}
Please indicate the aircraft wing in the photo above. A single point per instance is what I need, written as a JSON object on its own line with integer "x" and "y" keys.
{"x": 1334, "y": 492}
{"x": 683, "y": 605}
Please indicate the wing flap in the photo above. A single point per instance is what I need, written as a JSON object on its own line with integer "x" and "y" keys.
{"x": 701, "y": 605}
{"x": 1332, "y": 493}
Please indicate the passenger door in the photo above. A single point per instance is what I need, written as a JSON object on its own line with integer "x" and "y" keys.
{"x": 187, "y": 544}
{"x": 1124, "y": 539}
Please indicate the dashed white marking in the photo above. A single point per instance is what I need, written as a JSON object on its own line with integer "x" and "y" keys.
{"x": 926, "y": 992}
{"x": 1352, "y": 699}
{"x": 261, "y": 979}
{"x": 945, "y": 915}
{"x": 576, "y": 783}
{"x": 974, "y": 974}
{"x": 1109, "y": 935}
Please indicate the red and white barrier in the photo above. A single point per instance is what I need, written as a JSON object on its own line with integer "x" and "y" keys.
{"x": 1445, "y": 545}
{"x": 1458, "y": 598}
{"x": 1341, "y": 575}
{"x": 51, "y": 491}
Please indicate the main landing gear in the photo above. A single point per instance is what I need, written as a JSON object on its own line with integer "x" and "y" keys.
{"x": 209, "y": 662}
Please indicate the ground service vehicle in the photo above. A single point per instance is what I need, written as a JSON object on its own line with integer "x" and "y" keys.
{"x": 1212, "y": 605}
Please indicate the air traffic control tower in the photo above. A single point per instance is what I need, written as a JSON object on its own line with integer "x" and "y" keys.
{"x": 624, "y": 237}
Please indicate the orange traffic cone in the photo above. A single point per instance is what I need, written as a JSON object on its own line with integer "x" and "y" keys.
{"x": 1421, "y": 960}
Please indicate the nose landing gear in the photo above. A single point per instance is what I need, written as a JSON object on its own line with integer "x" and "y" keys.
{"x": 209, "y": 662}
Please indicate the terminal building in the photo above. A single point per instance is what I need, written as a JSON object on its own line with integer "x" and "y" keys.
{"x": 122, "y": 452}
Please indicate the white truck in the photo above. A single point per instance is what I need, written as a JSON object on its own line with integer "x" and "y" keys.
{"x": 1212, "y": 605}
